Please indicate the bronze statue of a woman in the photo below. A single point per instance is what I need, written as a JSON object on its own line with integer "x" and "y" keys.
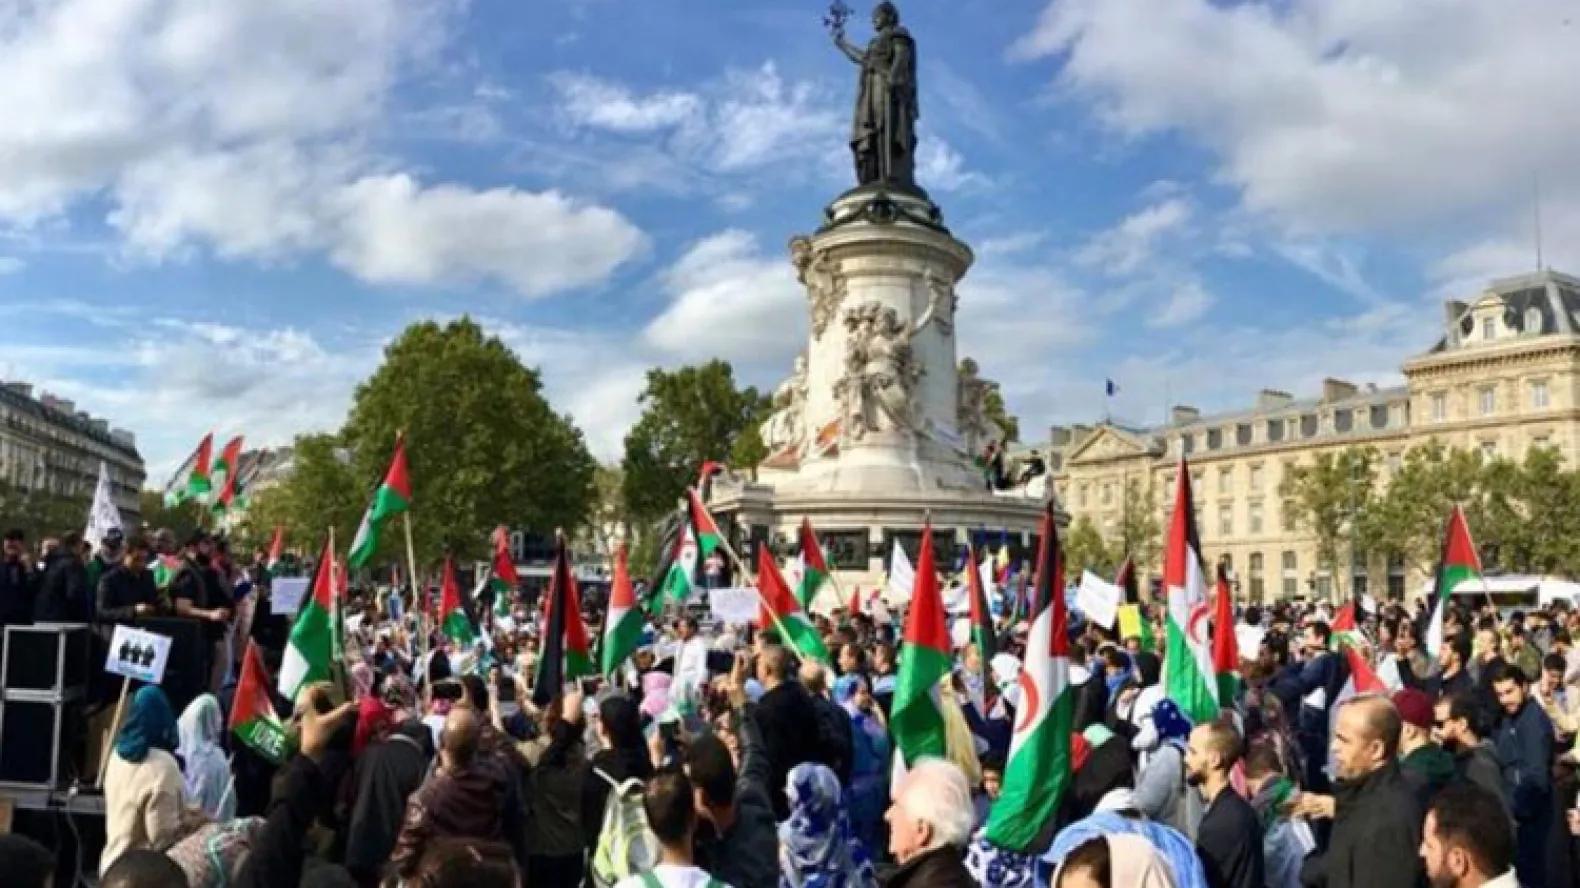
{"x": 883, "y": 128}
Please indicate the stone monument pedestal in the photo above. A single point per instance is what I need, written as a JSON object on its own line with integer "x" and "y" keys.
{"x": 876, "y": 429}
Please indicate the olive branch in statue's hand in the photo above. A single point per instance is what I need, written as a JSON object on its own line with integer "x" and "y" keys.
{"x": 838, "y": 14}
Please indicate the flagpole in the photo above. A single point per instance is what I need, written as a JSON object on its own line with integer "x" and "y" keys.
{"x": 417, "y": 595}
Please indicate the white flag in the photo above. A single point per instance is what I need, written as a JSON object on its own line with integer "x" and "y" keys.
{"x": 902, "y": 577}
{"x": 103, "y": 516}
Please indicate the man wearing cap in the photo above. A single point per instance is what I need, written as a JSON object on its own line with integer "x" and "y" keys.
{"x": 108, "y": 556}
{"x": 1427, "y": 767}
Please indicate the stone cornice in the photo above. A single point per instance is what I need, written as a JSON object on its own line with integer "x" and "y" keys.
{"x": 1501, "y": 355}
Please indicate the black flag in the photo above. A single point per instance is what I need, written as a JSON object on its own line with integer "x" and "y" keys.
{"x": 551, "y": 658}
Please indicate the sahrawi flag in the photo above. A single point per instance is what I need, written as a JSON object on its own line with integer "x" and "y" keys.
{"x": 252, "y": 716}
{"x": 453, "y": 621}
{"x": 814, "y": 569}
{"x": 1225, "y": 644}
{"x": 916, "y": 717}
{"x": 1187, "y": 661}
{"x": 311, "y": 647}
{"x": 622, "y": 628}
{"x": 566, "y": 656}
{"x": 223, "y": 475}
{"x": 782, "y": 612}
{"x": 1038, "y": 769}
{"x": 392, "y": 498}
{"x": 502, "y": 573}
{"x": 1457, "y": 564}
{"x": 191, "y": 481}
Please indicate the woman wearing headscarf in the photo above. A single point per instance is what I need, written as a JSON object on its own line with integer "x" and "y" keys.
{"x": 1160, "y": 786}
{"x": 816, "y": 846}
{"x": 375, "y": 720}
{"x": 203, "y": 762}
{"x": 869, "y": 773}
{"x": 143, "y": 788}
{"x": 1116, "y": 861}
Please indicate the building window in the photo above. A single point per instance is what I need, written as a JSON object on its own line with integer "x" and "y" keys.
{"x": 1187, "y": 444}
{"x": 1286, "y": 513}
{"x": 1308, "y": 425}
{"x": 1487, "y": 399}
{"x": 1489, "y": 329}
{"x": 1542, "y": 440}
{"x": 1343, "y": 420}
{"x": 1108, "y": 493}
{"x": 1226, "y": 520}
{"x": 1394, "y": 463}
{"x": 1242, "y": 434}
{"x": 1275, "y": 430}
{"x": 1195, "y": 482}
{"x": 1380, "y": 416}
{"x": 1168, "y": 483}
{"x": 1080, "y": 496}
{"x": 1489, "y": 449}
{"x": 1324, "y": 586}
{"x": 1533, "y": 320}
{"x": 1256, "y": 518}
{"x": 1214, "y": 439}
{"x": 1439, "y": 406}
{"x": 1225, "y": 481}
{"x": 1539, "y": 393}
{"x": 1256, "y": 576}
{"x": 1290, "y": 569}
{"x": 1256, "y": 477}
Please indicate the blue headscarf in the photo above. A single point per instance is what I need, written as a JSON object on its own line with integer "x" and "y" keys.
{"x": 150, "y": 724}
{"x": 1171, "y": 721}
{"x": 816, "y": 847}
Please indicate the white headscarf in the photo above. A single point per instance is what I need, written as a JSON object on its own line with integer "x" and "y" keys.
{"x": 206, "y": 769}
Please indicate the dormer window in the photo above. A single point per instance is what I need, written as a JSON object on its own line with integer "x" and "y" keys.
{"x": 1489, "y": 329}
{"x": 1533, "y": 320}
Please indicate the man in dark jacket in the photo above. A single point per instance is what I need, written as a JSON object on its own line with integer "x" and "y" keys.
{"x": 386, "y": 776}
{"x": 64, "y": 596}
{"x": 929, "y": 825}
{"x": 1376, "y": 839}
{"x": 1320, "y": 672}
{"x": 738, "y": 835}
{"x": 127, "y": 590}
{"x": 18, "y": 584}
{"x": 1464, "y": 726}
{"x": 1525, "y": 747}
{"x": 1229, "y": 839}
{"x": 788, "y": 721}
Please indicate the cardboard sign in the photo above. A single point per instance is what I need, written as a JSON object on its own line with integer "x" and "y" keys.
{"x": 1099, "y": 600}
{"x": 1129, "y": 621}
{"x": 285, "y": 597}
{"x": 738, "y": 605}
{"x": 135, "y": 653}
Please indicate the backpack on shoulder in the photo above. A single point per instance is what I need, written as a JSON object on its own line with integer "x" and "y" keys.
{"x": 626, "y": 847}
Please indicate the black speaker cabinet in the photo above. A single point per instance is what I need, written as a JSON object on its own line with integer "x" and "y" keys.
{"x": 41, "y": 740}
{"x": 186, "y": 672}
{"x": 49, "y": 658}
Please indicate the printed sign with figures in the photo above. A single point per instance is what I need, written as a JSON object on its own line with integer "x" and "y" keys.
{"x": 137, "y": 654}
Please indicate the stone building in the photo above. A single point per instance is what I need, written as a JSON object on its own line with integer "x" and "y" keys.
{"x": 1502, "y": 377}
{"x": 48, "y": 446}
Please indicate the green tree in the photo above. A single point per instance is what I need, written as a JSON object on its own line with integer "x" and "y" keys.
{"x": 1331, "y": 495}
{"x": 322, "y": 491}
{"x": 993, "y": 405}
{"x": 42, "y": 513}
{"x": 180, "y": 519}
{"x": 1406, "y": 521}
{"x": 1140, "y": 534}
{"x": 607, "y": 520}
{"x": 1550, "y": 497}
{"x": 484, "y": 446}
{"x": 689, "y": 416}
{"x": 1085, "y": 549}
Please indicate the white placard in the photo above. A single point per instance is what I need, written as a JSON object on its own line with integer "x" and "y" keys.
{"x": 737, "y": 605}
{"x": 286, "y": 594}
{"x": 1098, "y": 599}
{"x": 135, "y": 653}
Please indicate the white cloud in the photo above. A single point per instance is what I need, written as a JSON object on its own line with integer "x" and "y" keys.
{"x": 1339, "y": 115}
{"x": 940, "y": 167}
{"x": 251, "y": 128}
{"x": 11, "y": 265}
{"x": 591, "y": 102}
{"x": 729, "y": 300}
{"x": 1189, "y": 301}
{"x": 1129, "y": 245}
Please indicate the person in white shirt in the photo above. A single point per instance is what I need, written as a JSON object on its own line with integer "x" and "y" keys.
{"x": 1467, "y": 841}
{"x": 672, "y": 816}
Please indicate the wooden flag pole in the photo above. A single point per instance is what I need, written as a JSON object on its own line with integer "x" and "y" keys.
{"x": 115, "y": 727}
{"x": 417, "y": 593}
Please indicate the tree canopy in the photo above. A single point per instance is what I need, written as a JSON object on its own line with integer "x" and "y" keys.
{"x": 1332, "y": 495}
{"x": 689, "y": 416}
{"x": 41, "y": 513}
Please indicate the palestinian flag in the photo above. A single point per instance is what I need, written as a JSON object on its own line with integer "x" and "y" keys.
{"x": 1039, "y": 765}
{"x": 224, "y": 475}
{"x": 781, "y": 611}
{"x": 622, "y": 628}
{"x": 276, "y": 549}
{"x": 502, "y": 574}
{"x": 704, "y": 530}
{"x": 710, "y": 469}
{"x": 916, "y": 718}
{"x": 191, "y": 481}
{"x": 565, "y": 656}
{"x": 814, "y": 570}
{"x": 453, "y": 621}
{"x": 1225, "y": 645}
{"x": 854, "y": 607}
{"x": 1457, "y": 564}
{"x": 392, "y": 498}
{"x": 310, "y": 649}
{"x": 1188, "y": 677}
{"x": 1126, "y": 580}
{"x": 165, "y": 568}
{"x": 1346, "y": 624}
{"x": 252, "y": 716}
{"x": 982, "y": 634}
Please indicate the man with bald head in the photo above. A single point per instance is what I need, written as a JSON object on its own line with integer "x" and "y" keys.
{"x": 1229, "y": 840}
{"x": 1376, "y": 816}
{"x": 789, "y": 722}
{"x": 462, "y": 800}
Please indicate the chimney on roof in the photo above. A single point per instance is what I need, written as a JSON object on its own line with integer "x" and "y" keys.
{"x": 1452, "y": 309}
{"x": 1058, "y": 435}
{"x": 123, "y": 437}
{"x": 22, "y": 388}
{"x": 99, "y": 425}
{"x": 1183, "y": 414}
{"x": 1271, "y": 398}
{"x": 1337, "y": 390}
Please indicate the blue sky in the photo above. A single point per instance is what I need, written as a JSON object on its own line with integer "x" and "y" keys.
{"x": 216, "y": 215}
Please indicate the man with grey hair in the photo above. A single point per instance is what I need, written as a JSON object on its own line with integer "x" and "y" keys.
{"x": 929, "y": 825}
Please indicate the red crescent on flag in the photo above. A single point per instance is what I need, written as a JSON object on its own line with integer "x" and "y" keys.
{"x": 1195, "y": 625}
{"x": 1029, "y": 702}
